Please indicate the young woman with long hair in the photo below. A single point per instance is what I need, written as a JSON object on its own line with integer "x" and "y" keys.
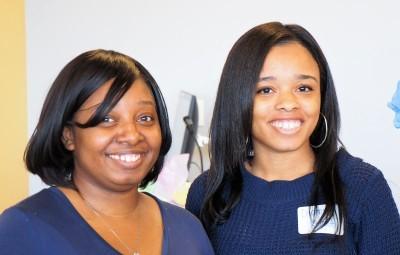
{"x": 280, "y": 180}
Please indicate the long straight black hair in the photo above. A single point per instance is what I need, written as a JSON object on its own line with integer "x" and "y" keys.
{"x": 231, "y": 125}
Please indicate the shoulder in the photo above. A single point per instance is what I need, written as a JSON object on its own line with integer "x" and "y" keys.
{"x": 365, "y": 185}
{"x": 355, "y": 171}
{"x": 15, "y": 223}
{"x": 184, "y": 232}
{"x": 196, "y": 194}
{"x": 176, "y": 216}
{"x": 13, "y": 217}
{"x": 199, "y": 184}
{"x": 371, "y": 208}
{"x": 23, "y": 221}
{"x": 44, "y": 208}
{"x": 33, "y": 205}
{"x": 179, "y": 217}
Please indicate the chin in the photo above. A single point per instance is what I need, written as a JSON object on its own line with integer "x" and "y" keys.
{"x": 286, "y": 149}
{"x": 289, "y": 147}
{"x": 124, "y": 187}
{"x": 128, "y": 181}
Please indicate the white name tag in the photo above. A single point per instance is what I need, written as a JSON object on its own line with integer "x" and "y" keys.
{"x": 306, "y": 220}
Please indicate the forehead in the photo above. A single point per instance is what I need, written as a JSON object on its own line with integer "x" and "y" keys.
{"x": 290, "y": 57}
{"x": 138, "y": 92}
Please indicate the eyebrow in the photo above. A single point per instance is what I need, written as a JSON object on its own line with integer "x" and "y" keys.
{"x": 298, "y": 77}
{"x": 142, "y": 102}
{"x": 146, "y": 102}
{"x": 267, "y": 78}
{"x": 306, "y": 76}
{"x": 88, "y": 108}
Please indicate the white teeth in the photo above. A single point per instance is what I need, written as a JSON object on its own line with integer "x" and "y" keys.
{"x": 286, "y": 124}
{"x": 125, "y": 157}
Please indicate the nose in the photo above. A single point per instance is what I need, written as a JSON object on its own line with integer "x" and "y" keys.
{"x": 129, "y": 133}
{"x": 287, "y": 101}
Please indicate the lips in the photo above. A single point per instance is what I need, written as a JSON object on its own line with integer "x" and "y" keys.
{"x": 286, "y": 126}
{"x": 125, "y": 157}
{"x": 127, "y": 160}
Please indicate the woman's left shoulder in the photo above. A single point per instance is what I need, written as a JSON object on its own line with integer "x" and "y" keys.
{"x": 365, "y": 187}
{"x": 355, "y": 171}
{"x": 184, "y": 231}
{"x": 177, "y": 215}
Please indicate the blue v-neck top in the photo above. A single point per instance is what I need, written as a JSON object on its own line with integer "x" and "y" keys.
{"x": 47, "y": 223}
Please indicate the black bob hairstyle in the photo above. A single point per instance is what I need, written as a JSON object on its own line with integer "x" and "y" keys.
{"x": 231, "y": 124}
{"x": 45, "y": 154}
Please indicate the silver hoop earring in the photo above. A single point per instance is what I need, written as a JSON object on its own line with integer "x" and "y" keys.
{"x": 326, "y": 133}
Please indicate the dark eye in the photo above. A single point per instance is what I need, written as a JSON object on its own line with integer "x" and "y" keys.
{"x": 305, "y": 88}
{"x": 107, "y": 119}
{"x": 146, "y": 119}
{"x": 265, "y": 90}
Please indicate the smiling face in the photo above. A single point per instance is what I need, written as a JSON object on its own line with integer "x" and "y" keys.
{"x": 119, "y": 152}
{"x": 287, "y": 101}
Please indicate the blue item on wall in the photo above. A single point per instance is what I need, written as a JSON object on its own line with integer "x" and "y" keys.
{"x": 395, "y": 106}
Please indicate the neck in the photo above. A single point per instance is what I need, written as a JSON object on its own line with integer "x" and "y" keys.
{"x": 109, "y": 203}
{"x": 282, "y": 165}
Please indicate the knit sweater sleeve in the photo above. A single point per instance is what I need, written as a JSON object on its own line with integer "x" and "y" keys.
{"x": 379, "y": 231}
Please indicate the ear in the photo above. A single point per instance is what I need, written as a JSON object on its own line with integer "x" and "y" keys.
{"x": 68, "y": 138}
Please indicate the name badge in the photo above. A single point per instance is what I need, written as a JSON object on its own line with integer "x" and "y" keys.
{"x": 308, "y": 216}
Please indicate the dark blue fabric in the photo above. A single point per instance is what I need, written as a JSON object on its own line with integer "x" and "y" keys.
{"x": 265, "y": 219}
{"x": 47, "y": 223}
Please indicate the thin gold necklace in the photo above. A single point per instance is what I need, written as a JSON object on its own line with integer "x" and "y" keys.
{"x": 98, "y": 215}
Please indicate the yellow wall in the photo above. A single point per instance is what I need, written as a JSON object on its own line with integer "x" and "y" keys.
{"x": 13, "y": 109}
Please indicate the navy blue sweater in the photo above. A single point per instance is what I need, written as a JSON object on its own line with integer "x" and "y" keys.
{"x": 265, "y": 221}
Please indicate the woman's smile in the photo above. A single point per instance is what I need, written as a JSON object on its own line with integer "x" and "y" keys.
{"x": 287, "y": 126}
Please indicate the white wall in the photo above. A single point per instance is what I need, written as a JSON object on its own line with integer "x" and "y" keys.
{"x": 185, "y": 43}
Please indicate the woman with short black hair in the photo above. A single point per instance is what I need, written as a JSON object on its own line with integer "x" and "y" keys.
{"x": 103, "y": 132}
